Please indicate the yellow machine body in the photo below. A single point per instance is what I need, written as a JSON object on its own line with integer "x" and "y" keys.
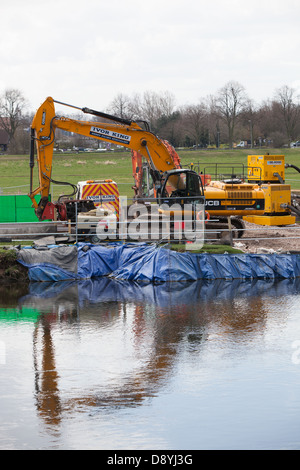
{"x": 269, "y": 171}
{"x": 265, "y": 168}
{"x": 274, "y": 220}
{"x": 277, "y": 197}
{"x": 234, "y": 199}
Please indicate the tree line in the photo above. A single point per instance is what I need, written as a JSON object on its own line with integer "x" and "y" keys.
{"x": 225, "y": 118}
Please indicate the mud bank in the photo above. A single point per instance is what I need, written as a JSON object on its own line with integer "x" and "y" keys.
{"x": 281, "y": 247}
{"x": 10, "y": 268}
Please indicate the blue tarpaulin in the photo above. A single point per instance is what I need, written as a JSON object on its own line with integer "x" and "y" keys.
{"x": 147, "y": 263}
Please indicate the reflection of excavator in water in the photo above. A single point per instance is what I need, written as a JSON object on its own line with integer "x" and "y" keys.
{"x": 158, "y": 337}
{"x": 185, "y": 183}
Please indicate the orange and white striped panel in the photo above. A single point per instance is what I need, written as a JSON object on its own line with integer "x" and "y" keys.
{"x": 105, "y": 194}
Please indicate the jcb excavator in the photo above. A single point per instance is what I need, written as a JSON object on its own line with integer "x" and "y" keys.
{"x": 264, "y": 199}
{"x": 229, "y": 199}
{"x": 186, "y": 186}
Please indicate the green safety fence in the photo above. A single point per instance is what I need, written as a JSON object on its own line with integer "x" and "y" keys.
{"x": 17, "y": 208}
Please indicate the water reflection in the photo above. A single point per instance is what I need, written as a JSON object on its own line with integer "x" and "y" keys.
{"x": 103, "y": 345}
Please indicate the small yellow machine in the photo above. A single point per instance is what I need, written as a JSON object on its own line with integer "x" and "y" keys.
{"x": 266, "y": 169}
{"x": 269, "y": 172}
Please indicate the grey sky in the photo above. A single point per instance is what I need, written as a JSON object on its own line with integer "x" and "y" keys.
{"x": 87, "y": 52}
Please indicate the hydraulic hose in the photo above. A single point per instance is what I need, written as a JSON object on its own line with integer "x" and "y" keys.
{"x": 289, "y": 165}
{"x": 64, "y": 183}
{"x": 293, "y": 209}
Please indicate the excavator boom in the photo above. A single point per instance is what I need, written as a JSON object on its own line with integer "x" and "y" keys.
{"x": 118, "y": 131}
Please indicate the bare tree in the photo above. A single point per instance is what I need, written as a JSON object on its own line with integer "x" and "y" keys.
{"x": 166, "y": 104}
{"x": 150, "y": 106}
{"x": 216, "y": 126}
{"x": 230, "y": 103}
{"x": 249, "y": 119}
{"x": 289, "y": 110}
{"x": 12, "y": 105}
{"x": 195, "y": 117}
{"x": 121, "y": 106}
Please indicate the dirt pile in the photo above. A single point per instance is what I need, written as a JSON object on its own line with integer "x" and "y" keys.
{"x": 10, "y": 268}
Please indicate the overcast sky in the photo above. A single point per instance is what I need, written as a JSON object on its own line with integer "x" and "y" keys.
{"x": 87, "y": 52}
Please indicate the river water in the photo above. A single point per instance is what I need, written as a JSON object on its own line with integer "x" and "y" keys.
{"x": 101, "y": 364}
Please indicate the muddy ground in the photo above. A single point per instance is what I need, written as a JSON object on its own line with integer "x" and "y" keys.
{"x": 266, "y": 239}
{"x": 10, "y": 269}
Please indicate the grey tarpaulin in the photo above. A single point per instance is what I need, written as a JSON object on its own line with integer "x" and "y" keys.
{"x": 63, "y": 259}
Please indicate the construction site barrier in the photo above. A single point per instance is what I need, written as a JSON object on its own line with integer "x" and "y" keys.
{"x": 17, "y": 208}
{"x": 142, "y": 262}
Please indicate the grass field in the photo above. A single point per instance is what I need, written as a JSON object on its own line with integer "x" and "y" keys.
{"x": 14, "y": 170}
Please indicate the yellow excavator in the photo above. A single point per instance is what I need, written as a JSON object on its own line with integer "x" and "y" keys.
{"x": 255, "y": 193}
{"x": 186, "y": 184}
{"x": 263, "y": 177}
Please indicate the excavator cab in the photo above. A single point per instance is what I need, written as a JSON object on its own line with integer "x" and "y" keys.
{"x": 181, "y": 186}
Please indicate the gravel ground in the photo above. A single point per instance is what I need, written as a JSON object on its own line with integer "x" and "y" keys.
{"x": 264, "y": 239}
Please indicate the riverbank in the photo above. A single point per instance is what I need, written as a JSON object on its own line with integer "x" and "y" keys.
{"x": 13, "y": 271}
{"x": 256, "y": 240}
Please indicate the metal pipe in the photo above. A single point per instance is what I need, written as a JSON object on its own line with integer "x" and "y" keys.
{"x": 97, "y": 113}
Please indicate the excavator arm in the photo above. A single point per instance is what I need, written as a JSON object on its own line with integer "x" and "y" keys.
{"x": 140, "y": 174}
{"x": 158, "y": 153}
{"x": 126, "y": 133}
